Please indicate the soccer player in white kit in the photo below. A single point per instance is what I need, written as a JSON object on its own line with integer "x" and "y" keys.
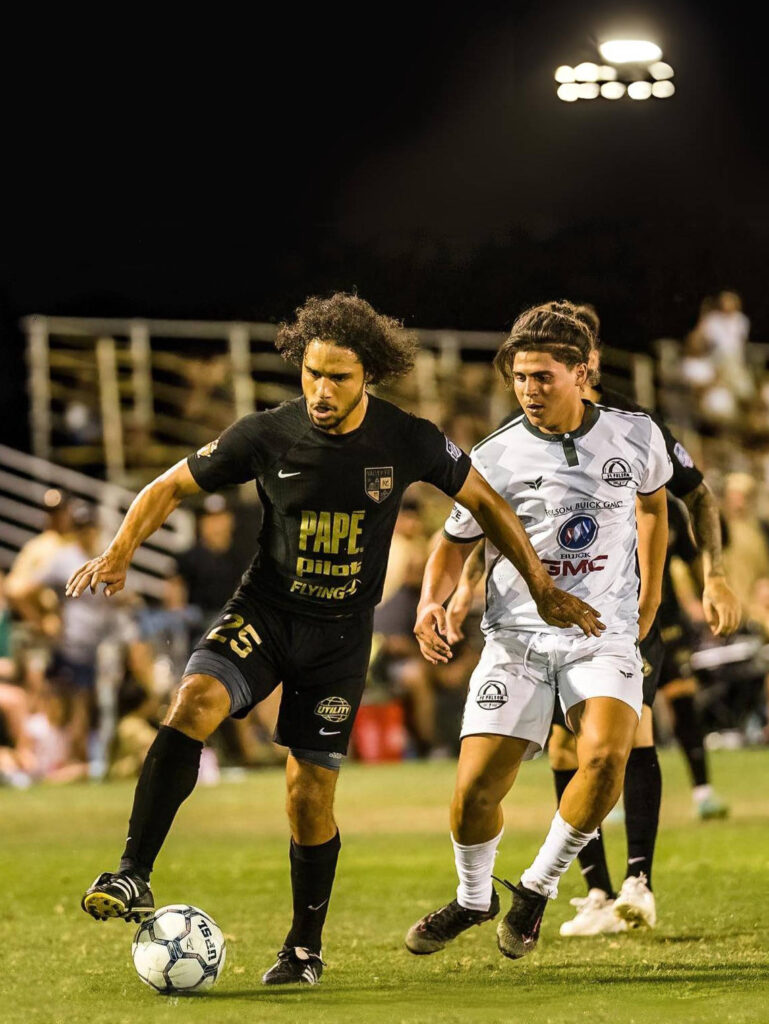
{"x": 588, "y": 483}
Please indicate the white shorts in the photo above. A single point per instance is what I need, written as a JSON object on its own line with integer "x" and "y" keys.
{"x": 513, "y": 689}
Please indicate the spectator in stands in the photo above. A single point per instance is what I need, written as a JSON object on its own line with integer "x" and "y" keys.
{"x": 212, "y": 568}
{"x": 83, "y": 626}
{"x": 746, "y": 551}
{"x": 725, "y": 329}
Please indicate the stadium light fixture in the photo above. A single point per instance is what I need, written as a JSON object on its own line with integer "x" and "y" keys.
{"x": 633, "y": 68}
{"x": 630, "y": 51}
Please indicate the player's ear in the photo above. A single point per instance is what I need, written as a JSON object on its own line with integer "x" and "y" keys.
{"x": 581, "y": 375}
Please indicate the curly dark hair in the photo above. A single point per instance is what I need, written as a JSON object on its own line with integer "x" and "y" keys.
{"x": 565, "y": 330}
{"x": 384, "y": 347}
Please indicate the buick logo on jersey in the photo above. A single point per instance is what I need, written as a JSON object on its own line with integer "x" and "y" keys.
{"x": 379, "y": 482}
{"x": 333, "y": 709}
{"x": 616, "y": 472}
{"x": 492, "y": 695}
{"x": 578, "y": 533}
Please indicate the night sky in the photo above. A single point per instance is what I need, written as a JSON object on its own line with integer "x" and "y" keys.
{"x": 229, "y": 169}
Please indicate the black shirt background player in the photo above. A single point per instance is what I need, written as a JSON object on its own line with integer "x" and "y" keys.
{"x": 330, "y": 500}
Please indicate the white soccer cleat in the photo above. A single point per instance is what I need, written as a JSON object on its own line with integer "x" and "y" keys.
{"x": 595, "y": 916}
{"x": 635, "y": 903}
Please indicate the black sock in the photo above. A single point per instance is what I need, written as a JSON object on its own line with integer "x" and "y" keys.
{"x": 687, "y": 728}
{"x": 312, "y": 878}
{"x": 167, "y": 778}
{"x": 592, "y": 857}
{"x": 643, "y": 795}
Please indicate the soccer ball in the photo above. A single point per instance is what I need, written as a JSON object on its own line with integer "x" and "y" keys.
{"x": 179, "y": 949}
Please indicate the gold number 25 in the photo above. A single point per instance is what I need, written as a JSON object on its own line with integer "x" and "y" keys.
{"x": 242, "y": 646}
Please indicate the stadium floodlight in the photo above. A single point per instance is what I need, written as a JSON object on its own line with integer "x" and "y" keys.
{"x": 589, "y": 91}
{"x": 663, "y": 90}
{"x": 606, "y": 73}
{"x": 630, "y": 51}
{"x": 639, "y": 90}
{"x": 586, "y": 72}
{"x": 612, "y": 90}
{"x": 660, "y": 71}
{"x": 568, "y": 92}
{"x": 564, "y": 73}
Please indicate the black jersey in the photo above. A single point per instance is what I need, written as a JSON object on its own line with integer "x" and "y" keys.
{"x": 330, "y": 500}
{"x": 680, "y": 545}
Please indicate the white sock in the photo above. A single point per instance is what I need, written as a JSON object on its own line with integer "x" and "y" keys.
{"x": 701, "y": 793}
{"x": 474, "y": 867}
{"x": 562, "y": 845}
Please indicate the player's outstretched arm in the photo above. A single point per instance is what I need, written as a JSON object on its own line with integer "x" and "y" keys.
{"x": 459, "y": 606}
{"x": 720, "y": 604}
{"x": 149, "y": 510}
{"x": 441, "y": 576}
{"x": 652, "y": 522}
{"x": 505, "y": 530}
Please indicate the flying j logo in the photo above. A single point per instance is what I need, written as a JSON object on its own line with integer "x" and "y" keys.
{"x": 534, "y": 484}
{"x": 578, "y": 533}
{"x": 492, "y": 695}
{"x": 378, "y": 482}
{"x": 333, "y": 709}
{"x": 616, "y": 472}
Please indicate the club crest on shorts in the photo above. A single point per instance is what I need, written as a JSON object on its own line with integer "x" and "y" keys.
{"x": 492, "y": 695}
{"x": 333, "y": 709}
{"x": 616, "y": 472}
{"x": 208, "y": 449}
{"x": 378, "y": 482}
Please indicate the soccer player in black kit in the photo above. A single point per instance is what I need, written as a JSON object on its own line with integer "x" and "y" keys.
{"x": 330, "y": 468}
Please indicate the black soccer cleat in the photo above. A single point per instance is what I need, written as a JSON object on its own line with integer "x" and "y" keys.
{"x": 295, "y": 966}
{"x": 434, "y": 931}
{"x": 518, "y": 931}
{"x": 119, "y": 894}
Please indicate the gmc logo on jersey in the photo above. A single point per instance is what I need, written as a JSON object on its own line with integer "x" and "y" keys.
{"x": 585, "y": 565}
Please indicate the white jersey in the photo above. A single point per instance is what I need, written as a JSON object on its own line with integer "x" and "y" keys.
{"x": 575, "y": 495}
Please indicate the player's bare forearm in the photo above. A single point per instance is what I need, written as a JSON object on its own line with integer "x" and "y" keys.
{"x": 442, "y": 572}
{"x": 147, "y": 513}
{"x": 505, "y": 530}
{"x": 459, "y": 606}
{"x": 720, "y": 604}
{"x": 652, "y": 523}
{"x": 706, "y": 526}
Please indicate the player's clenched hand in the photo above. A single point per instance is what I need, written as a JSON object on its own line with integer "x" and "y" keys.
{"x": 430, "y": 624}
{"x": 560, "y": 609}
{"x": 457, "y": 612}
{"x": 721, "y": 606}
{"x": 106, "y": 569}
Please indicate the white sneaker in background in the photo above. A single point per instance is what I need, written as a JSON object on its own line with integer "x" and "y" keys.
{"x": 595, "y": 916}
{"x": 635, "y": 903}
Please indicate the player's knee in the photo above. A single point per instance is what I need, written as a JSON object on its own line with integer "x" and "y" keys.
{"x": 473, "y": 801}
{"x": 605, "y": 766}
{"x": 200, "y": 705}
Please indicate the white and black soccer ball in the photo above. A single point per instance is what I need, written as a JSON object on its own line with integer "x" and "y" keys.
{"x": 179, "y": 949}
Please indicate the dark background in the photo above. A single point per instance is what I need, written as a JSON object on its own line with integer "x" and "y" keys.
{"x": 215, "y": 168}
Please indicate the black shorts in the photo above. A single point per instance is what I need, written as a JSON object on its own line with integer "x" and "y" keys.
{"x": 322, "y": 664}
{"x": 677, "y": 654}
{"x": 652, "y": 653}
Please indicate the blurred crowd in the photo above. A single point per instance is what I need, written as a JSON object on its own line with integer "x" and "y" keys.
{"x": 84, "y": 684}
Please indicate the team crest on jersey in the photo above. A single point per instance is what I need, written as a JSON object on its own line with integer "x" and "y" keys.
{"x": 616, "y": 472}
{"x": 208, "y": 449}
{"x": 379, "y": 482}
{"x": 333, "y": 709}
{"x": 492, "y": 695}
{"x": 578, "y": 533}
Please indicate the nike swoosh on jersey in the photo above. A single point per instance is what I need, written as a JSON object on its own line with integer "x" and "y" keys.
{"x": 330, "y": 732}
{"x": 283, "y": 475}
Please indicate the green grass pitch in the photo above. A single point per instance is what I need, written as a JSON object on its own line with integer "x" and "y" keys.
{"x": 708, "y": 959}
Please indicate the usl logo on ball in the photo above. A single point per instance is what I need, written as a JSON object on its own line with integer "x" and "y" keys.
{"x": 179, "y": 949}
{"x": 578, "y": 533}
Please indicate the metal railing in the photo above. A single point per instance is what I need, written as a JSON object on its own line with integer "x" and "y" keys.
{"x": 24, "y": 480}
{"x": 130, "y": 397}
